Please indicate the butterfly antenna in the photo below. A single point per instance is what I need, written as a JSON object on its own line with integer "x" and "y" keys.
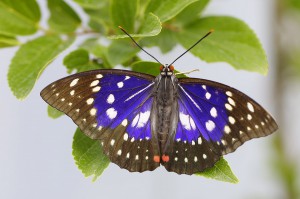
{"x": 211, "y": 31}
{"x": 138, "y": 44}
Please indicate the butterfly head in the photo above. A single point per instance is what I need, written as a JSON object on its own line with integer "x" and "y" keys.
{"x": 167, "y": 70}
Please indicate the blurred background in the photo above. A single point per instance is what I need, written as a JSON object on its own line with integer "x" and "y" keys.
{"x": 36, "y": 151}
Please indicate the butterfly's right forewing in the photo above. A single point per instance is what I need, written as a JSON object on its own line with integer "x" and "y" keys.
{"x": 113, "y": 106}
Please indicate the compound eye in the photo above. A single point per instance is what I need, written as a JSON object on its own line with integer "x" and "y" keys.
{"x": 161, "y": 68}
{"x": 171, "y": 68}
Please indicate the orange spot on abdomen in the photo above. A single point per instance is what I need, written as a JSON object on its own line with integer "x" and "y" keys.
{"x": 165, "y": 158}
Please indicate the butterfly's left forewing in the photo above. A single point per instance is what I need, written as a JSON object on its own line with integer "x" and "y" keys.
{"x": 113, "y": 106}
{"x": 214, "y": 120}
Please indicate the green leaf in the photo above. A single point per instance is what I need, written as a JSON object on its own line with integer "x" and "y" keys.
{"x": 150, "y": 27}
{"x": 19, "y": 17}
{"x": 91, "y": 4}
{"x": 62, "y": 17}
{"x": 54, "y": 113}
{"x": 232, "y": 42}
{"x": 121, "y": 51}
{"x": 100, "y": 20}
{"x": 220, "y": 171}
{"x": 165, "y": 40}
{"x": 79, "y": 61}
{"x": 191, "y": 13}
{"x": 123, "y": 13}
{"x": 88, "y": 155}
{"x": 7, "y": 41}
{"x": 150, "y": 68}
{"x": 30, "y": 61}
{"x": 93, "y": 46}
{"x": 168, "y": 9}
{"x": 292, "y": 4}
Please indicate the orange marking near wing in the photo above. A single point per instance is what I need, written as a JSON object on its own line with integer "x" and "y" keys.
{"x": 165, "y": 158}
{"x": 156, "y": 158}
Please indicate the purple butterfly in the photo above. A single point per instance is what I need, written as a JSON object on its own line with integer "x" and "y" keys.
{"x": 142, "y": 121}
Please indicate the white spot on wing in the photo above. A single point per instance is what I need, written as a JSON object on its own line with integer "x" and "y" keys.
{"x": 110, "y": 99}
{"x": 111, "y": 113}
{"x": 124, "y": 122}
{"x": 213, "y": 112}
{"x": 96, "y": 89}
{"x": 228, "y": 93}
{"x": 119, "y": 152}
{"x": 250, "y": 107}
{"x": 99, "y": 76}
{"x": 207, "y": 95}
{"x": 74, "y": 82}
{"x": 120, "y": 84}
{"x": 249, "y": 117}
{"x": 231, "y": 119}
{"x": 231, "y": 101}
{"x": 93, "y": 111}
{"x": 112, "y": 142}
{"x": 204, "y": 156}
{"x": 185, "y": 159}
{"x": 72, "y": 92}
{"x": 227, "y": 129}
{"x": 200, "y": 140}
{"x": 210, "y": 125}
{"x": 125, "y": 137}
{"x": 141, "y": 119}
{"x": 228, "y": 107}
{"x": 223, "y": 142}
{"x": 127, "y": 77}
{"x": 94, "y": 83}
{"x": 195, "y": 159}
{"x": 187, "y": 121}
{"x": 90, "y": 101}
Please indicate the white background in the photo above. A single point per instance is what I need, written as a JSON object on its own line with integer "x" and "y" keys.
{"x": 36, "y": 151}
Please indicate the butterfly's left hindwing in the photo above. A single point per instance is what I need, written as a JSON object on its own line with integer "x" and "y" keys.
{"x": 113, "y": 106}
{"x": 214, "y": 120}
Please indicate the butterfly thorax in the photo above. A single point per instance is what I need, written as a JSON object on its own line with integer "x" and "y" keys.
{"x": 166, "y": 115}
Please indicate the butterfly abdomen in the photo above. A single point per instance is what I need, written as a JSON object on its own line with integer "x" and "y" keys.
{"x": 166, "y": 108}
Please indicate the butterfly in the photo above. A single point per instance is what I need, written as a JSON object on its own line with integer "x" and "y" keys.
{"x": 143, "y": 121}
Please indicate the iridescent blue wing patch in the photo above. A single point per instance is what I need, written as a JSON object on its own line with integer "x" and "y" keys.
{"x": 112, "y": 106}
{"x": 214, "y": 119}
